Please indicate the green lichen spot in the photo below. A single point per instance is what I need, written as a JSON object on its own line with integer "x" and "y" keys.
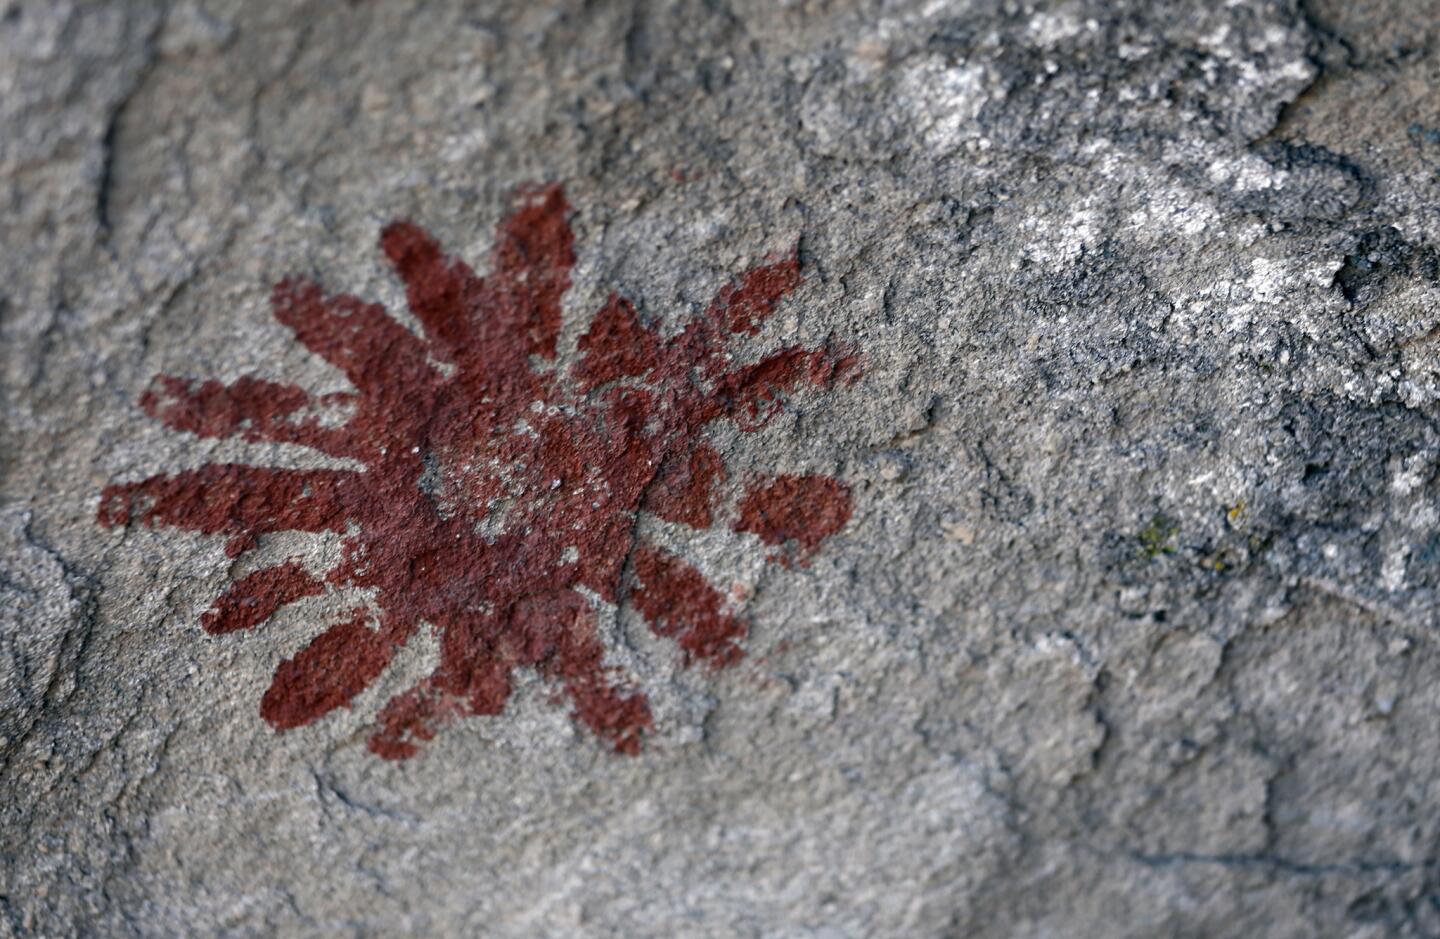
{"x": 1158, "y": 537}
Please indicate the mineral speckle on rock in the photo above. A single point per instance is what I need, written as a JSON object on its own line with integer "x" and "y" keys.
{"x": 1059, "y": 554}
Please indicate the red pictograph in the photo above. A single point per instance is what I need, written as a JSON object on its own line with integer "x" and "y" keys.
{"x": 499, "y": 493}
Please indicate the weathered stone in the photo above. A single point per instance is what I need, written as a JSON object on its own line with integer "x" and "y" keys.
{"x": 1022, "y": 519}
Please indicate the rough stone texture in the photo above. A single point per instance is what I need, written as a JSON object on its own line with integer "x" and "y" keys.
{"x": 1132, "y": 631}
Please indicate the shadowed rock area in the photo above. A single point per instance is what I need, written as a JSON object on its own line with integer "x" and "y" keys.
{"x": 724, "y": 469}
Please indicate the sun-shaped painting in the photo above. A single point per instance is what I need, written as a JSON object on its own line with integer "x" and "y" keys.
{"x": 499, "y": 494}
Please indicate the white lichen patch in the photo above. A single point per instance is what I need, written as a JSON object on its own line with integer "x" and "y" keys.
{"x": 945, "y": 101}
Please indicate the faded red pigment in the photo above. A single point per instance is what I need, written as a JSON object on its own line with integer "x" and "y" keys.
{"x": 499, "y": 494}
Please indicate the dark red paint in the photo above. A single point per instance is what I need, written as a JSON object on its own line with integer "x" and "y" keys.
{"x": 682, "y": 489}
{"x": 798, "y": 510}
{"x": 252, "y": 600}
{"x": 337, "y": 665}
{"x": 680, "y": 603}
{"x": 497, "y": 496}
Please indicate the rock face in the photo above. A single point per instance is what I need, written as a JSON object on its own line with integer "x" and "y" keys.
{"x": 720, "y": 469}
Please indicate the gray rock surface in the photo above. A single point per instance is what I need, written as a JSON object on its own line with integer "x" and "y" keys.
{"x": 1132, "y": 631}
